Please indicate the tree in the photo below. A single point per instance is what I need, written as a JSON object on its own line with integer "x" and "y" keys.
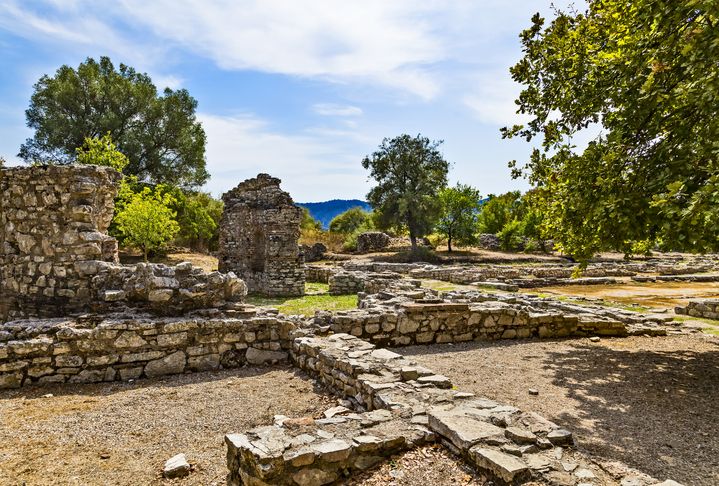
{"x": 498, "y": 211}
{"x": 459, "y": 214}
{"x": 645, "y": 73}
{"x": 308, "y": 223}
{"x": 409, "y": 172}
{"x": 351, "y": 220}
{"x": 159, "y": 134}
{"x": 198, "y": 215}
{"x": 101, "y": 151}
{"x": 147, "y": 220}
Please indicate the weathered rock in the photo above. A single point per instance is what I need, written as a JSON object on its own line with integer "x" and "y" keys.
{"x": 256, "y": 356}
{"x": 560, "y": 437}
{"x": 502, "y": 467}
{"x": 176, "y": 467}
{"x": 172, "y": 364}
{"x": 460, "y": 428}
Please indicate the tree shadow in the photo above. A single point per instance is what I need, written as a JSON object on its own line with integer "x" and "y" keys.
{"x": 654, "y": 410}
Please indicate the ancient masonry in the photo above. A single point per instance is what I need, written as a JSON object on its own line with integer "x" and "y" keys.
{"x": 55, "y": 258}
{"x": 149, "y": 320}
{"x": 259, "y": 232}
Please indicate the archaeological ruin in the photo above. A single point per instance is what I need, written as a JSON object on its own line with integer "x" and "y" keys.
{"x": 259, "y": 232}
{"x": 72, "y": 314}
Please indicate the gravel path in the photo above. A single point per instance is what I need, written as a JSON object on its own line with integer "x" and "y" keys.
{"x": 122, "y": 433}
{"x": 649, "y": 402}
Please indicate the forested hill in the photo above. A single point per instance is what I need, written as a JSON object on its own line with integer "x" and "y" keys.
{"x": 325, "y": 211}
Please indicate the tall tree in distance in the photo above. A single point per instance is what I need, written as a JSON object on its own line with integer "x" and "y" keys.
{"x": 459, "y": 214}
{"x": 410, "y": 171}
{"x": 159, "y": 134}
{"x": 645, "y": 72}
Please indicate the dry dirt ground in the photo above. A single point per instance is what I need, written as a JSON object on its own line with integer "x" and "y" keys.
{"x": 659, "y": 295}
{"x": 122, "y": 433}
{"x": 648, "y": 402}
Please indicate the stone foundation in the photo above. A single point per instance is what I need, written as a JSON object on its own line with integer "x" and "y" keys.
{"x": 410, "y": 405}
{"x": 259, "y": 231}
{"x": 107, "y": 349}
{"x": 707, "y": 309}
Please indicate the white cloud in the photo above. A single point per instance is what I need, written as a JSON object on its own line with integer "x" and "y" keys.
{"x": 334, "y": 109}
{"x": 240, "y": 147}
{"x": 492, "y": 100}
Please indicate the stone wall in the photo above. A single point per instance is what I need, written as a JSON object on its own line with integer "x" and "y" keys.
{"x": 53, "y": 219}
{"x": 56, "y": 260}
{"x": 708, "y": 309}
{"x": 319, "y": 273}
{"x": 121, "y": 348}
{"x": 410, "y": 405}
{"x": 345, "y": 283}
{"x": 407, "y": 317}
{"x": 259, "y": 231}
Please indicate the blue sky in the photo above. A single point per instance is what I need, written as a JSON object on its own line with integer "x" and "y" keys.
{"x": 299, "y": 89}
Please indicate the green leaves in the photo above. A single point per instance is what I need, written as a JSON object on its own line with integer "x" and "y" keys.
{"x": 101, "y": 151}
{"x": 646, "y": 73}
{"x": 459, "y": 214}
{"x": 147, "y": 220}
{"x": 159, "y": 134}
{"x": 409, "y": 172}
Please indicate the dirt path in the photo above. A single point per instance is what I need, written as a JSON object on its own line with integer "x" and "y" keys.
{"x": 122, "y": 433}
{"x": 649, "y": 402}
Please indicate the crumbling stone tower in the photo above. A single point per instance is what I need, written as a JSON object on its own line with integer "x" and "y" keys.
{"x": 259, "y": 231}
{"x": 52, "y": 219}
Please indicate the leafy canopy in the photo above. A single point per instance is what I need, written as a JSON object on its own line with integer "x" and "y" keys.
{"x": 459, "y": 214}
{"x": 101, "y": 151}
{"x": 159, "y": 134}
{"x": 409, "y": 172}
{"x": 351, "y": 220}
{"x": 498, "y": 211}
{"x": 147, "y": 221}
{"x": 646, "y": 73}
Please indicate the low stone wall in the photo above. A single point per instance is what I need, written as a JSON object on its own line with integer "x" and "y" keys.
{"x": 108, "y": 349}
{"x": 708, "y": 309}
{"x": 319, "y": 273}
{"x": 410, "y": 405}
{"x": 345, "y": 283}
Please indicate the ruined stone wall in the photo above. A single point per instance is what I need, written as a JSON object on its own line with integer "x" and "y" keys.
{"x": 319, "y": 273}
{"x": 56, "y": 259}
{"x": 346, "y": 283}
{"x": 259, "y": 232}
{"x": 53, "y": 218}
{"x": 708, "y": 309}
{"x": 109, "y": 349}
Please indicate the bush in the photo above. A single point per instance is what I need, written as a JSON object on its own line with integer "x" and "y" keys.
{"x": 351, "y": 221}
{"x": 510, "y": 237}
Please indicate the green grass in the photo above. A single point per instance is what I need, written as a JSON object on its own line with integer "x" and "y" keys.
{"x": 712, "y": 327}
{"x": 316, "y": 298}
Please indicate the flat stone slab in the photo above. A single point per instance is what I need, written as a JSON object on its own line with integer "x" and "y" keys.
{"x": 460, "y": 428}
{"x": 504, "y": 468}
{"x": 445, "y": 306}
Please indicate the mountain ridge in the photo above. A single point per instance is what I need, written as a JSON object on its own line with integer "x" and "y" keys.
{"x": 325, "y": 211}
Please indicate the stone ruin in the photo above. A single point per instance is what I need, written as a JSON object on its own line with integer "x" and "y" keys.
{"x": 259, "y": 234}
{"x": 56, "y": 258}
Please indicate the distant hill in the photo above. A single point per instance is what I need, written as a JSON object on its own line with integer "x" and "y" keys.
{"x": 325, "y": 211}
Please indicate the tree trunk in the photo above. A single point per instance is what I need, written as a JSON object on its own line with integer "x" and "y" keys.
{"x": 413, "y": 241}
{"x": 144, "y": 253}
{"x": 449, "y": 243}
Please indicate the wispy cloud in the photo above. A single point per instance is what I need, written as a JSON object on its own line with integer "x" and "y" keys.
{"x": 333, "y": 109}
{"x": 241, "y": 146}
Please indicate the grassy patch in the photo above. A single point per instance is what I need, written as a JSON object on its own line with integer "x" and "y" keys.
{"x": 316, "y": 298}
{"x": 712, "y": 327}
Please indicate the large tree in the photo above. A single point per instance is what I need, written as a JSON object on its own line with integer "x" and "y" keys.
{"x": 159, "y": 134}
{"x": 646, "y": 73}
{"x": 410, "y": 171}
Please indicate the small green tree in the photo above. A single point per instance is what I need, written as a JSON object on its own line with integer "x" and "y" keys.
{"x": 349, "y": 221}
{"x": 147, "y": 220}
{"x": 460, "y": 209}
{"x": 101, "y": 151}
{"x": 198, "y": 215}
{"x": 410, "y": 171}
{"x": 498, "y": 211}
{"x": 308, "y": 223}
